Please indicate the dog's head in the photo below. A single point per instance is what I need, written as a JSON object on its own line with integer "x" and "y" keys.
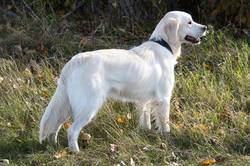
{"x": 178, "y": 27}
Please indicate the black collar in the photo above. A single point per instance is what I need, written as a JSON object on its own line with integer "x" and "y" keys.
{"x": 162, "y": 43}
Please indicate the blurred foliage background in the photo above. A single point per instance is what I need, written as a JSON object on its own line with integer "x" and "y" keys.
{"x": 218, "y": 12}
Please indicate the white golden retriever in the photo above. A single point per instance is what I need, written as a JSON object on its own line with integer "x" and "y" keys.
{"x": 143, "y": 74}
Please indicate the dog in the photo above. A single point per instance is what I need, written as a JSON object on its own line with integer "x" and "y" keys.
{"x": 143, "y": 75}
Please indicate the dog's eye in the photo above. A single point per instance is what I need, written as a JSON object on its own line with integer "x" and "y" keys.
{"x": 189, "y": 22}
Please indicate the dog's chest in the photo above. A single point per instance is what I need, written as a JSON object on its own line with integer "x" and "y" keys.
{"x": 166, "y": 81}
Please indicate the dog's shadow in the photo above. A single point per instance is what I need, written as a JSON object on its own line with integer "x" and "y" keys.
{"x": 15, "y": 149}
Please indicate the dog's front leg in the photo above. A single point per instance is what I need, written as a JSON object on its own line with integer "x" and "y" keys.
{"x": 144, "y": 119}
{"x": 161, "y": 110}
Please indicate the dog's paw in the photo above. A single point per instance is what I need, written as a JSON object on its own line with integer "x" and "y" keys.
{"x": 145, "y": 126}
{"x": 73, "y": 147}
{"x": 165, "y": 130}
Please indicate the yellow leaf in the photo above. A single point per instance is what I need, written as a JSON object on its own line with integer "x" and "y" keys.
{"x": 179, "y": 125}
{"x": 45, "y": 93}
{"x": 40, "y": 77}
{"x": 208, "y": 162}
{"x": 197, "y": 114}
{"x": 208, "y": 66}
{"x": 121, "y": 119}
{"x": 201, "y": 127}
{"x": 61, "y": 153}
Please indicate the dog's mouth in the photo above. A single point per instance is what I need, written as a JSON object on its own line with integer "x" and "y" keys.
{"x": 192, "y": 39}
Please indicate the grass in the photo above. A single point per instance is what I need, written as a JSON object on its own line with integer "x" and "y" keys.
{"x": 210, "y": 107}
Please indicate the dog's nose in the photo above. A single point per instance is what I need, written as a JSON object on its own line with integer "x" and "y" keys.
{"x": 204, "y": 28}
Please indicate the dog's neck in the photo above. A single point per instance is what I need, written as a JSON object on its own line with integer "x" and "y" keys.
{"x": 176, "y": 48}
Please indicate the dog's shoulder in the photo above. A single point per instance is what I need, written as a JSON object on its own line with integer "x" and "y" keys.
{"x": 155, "y": 52}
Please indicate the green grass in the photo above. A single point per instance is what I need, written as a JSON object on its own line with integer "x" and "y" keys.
{"x": 210, "y": 107}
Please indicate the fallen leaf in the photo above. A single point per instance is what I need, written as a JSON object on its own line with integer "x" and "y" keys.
{"x": 15, "y": 86}
{"x": 208, "y": 161}
{"x": 67, "y": 125}
{"x": 113, "y": 148}
{"x": 197, "y": 114}
{"x": 208, "y": 66}
{"x": 129, "y": 116}
{"x": 85, "y": 137}
{"x": 147, "y": 148}
{"x": 45, "y": 93}
{"x": 163, "y": 146}
{"x": 42, "y": 49}
{"x": 173, "y": 164}
{"x": 201, "y": 127}
{"x": 179, "y": 125}
{"x": 121, "y": 119}
{"x": 40, "y": 77}
{"x": 61, "y": 153}
{"x": 225, "y": 113}
{"x": 20, "y": 80}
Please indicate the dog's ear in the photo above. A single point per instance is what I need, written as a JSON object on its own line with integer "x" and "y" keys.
{"x": 171, "y": 28}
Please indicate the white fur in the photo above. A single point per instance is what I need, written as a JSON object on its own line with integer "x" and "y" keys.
{"x": 144, "y": 75}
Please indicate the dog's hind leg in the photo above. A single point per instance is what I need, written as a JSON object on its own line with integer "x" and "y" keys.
{"x": 84, "y": 116}
{"x": 85, "y": 102}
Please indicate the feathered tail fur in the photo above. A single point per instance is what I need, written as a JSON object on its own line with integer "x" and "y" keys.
{"x": 57, "y": 112}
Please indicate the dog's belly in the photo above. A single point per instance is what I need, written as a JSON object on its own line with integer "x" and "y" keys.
{"x": 132, "y": 94}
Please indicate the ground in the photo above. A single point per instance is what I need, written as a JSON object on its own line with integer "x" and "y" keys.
{"x": 210, "y": 107}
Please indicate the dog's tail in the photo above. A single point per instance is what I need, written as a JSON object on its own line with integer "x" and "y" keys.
{"x": 57, "y": 112}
